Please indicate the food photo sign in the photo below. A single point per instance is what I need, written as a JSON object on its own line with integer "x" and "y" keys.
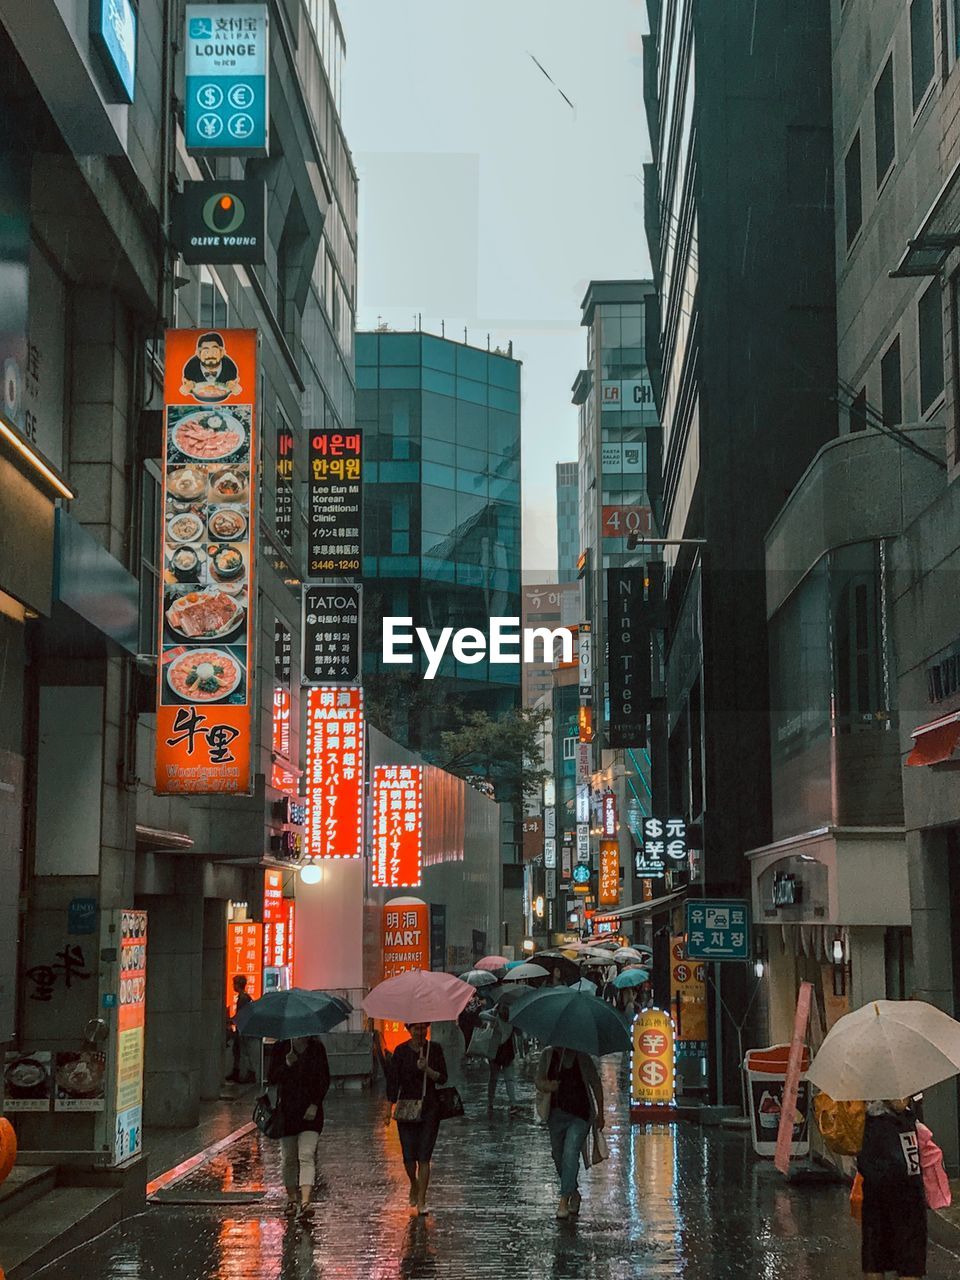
{"x": 205, "y": 672}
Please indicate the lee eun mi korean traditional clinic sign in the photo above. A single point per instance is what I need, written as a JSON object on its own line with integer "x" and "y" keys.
{"x": 334, "y": 513}
{"x": 205, "y": 691}
{"x": 397, "y": 826}
{"x": 334, "y": 772}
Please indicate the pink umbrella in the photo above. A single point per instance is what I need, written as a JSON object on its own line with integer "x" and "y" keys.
{"x": 418, "y": 995}
{"x": 492, "y": 962}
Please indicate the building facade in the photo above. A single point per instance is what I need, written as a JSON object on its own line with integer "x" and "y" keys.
{"x": 568, "y": 521}
{"x": 441, "y": 424}
{"x": 87, "y": 243}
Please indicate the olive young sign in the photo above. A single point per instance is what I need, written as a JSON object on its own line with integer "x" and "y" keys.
{"x": 205, "y": 693}
{"x": 469, "y": 645}
{"x": 335, "y": 504}
{"x": 221, "y": 222}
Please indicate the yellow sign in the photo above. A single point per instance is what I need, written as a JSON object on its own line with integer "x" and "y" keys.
{"x": 688, "y": 996}
{"x": 652, "y": 1067}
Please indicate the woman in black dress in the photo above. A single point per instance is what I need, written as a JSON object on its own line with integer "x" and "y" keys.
{"x": 416, "y": 1070}
{"x": 300, "y": 1071}
{"x": 894, "y": 1214}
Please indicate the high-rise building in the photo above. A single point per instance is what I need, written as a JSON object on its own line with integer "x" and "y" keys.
{"x": 441, "y": 424}
{"x": 739, "y": 218}
{"x": 549, "y": 605}
{"x": 568, "y": 521}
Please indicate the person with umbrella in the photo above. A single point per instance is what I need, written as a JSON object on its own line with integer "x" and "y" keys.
{"x": 894, "y": 1213}
{"x": 570, "y": 1082}
{"x": 300, "y": 1072}
{"x": 502, "y": 1063}
{"x": 416, "y": 1070}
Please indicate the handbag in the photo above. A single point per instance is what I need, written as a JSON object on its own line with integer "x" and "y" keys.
{"x": 936, "y": 1184}
{"x": 451, "y": 1104}
{"x": 410, "y": 1110}
{"x": 856, "y": 1198}
{"x": 485, "y": 1041}
{"x": 601, "y": 1150}
{"x": 267, "y": 1116}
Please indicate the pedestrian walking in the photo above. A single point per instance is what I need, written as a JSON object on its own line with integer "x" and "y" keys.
{"x": 503, "y": 1062}
{"x": 242, "y": 1072}
{"x": 572, "y": 1098}
{"x": 300, "y": 1072}
{"x": 469, "y": 1020}
{"x": 417, "y": 1068}
{"x": 894, "y": 1211}
{"x": 448, "y": 1037}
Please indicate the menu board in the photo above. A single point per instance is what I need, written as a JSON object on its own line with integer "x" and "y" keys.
{"x": 331, "y": 634}
{"x": 27, "y": 1081}
{"x": 128, "y": 1095}
{"x": 335, "y": 504}
{"x": 397, "y": 826}
{"x": 335, "y": 799}
{"x": 205, "y": 673}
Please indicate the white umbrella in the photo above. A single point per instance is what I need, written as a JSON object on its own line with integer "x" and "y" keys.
{"x": 524, "y": 972}
{"x": 887, "y": 1049}
{"x": 585, "y": 985}
{"x": 592, "y": 955}
{"x": 479, "y": 977}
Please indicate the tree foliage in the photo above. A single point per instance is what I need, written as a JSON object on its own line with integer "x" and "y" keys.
{"x": 506, "y": 752}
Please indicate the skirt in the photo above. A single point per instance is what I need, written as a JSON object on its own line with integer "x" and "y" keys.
{"x": 419, "y": 1137}
{"x": 894, "y": 1223}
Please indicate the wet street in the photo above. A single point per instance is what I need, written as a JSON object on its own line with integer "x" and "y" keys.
{"x": 671, "y": 1202}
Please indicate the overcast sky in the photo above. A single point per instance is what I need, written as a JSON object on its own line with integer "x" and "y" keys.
{"x": 486, "y": 201}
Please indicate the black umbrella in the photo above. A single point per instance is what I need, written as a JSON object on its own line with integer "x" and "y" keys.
{"x": 549, "y": 961}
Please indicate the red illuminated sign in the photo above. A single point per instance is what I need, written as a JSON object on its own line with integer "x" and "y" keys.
{"x": 397, "y": 826}
{"x": 277, "y": 920}
{"x": 335, "y": 772}
{"x": 244, "y": 956}
{"x": 608, "y": 888}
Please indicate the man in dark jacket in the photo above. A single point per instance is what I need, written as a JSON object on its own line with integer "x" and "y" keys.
{"x": 241, "y": 1056}
{"x": 301, "y": 1073}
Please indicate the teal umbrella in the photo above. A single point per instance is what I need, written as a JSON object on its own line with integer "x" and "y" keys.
{"x": 281, "y": 1015}
{"x": 631, "y": 978}
{"x": 569, "y": 1019}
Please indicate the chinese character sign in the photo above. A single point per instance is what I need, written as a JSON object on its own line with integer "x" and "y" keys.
{"x": 277, "y": 920}
{"x": 718, "y": 930}
{"x": 406, "y": 936}
{"x": 226, "y": 108}
{"x": 688, "y": 1000}
{"x": 331, "y": 634}
{"x": 335, "y": 796}
{"x": 397, "y": 826}
{"x": 284, "y": 509}
{"x": 127, "y": 1098}
{"x": 244, "y": 957}
{"x": 652, "y": 1068}
{"x": 334, "y": 507}
{"x": 609, "y": 878}
{"x": 205, "y": 691}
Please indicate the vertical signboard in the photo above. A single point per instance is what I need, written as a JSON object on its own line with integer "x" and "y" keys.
{"x": 406, "y": 945}
{"x": 608, "y": 883}
{"x": 652, "y": 1066}
{"x": 113, "y": 33}
{"x": 205, "y": 693}
{"x": 284, "y": 510}
{"x": 131, "y": 1008}
{"x": 335, "y": 798}
{"x": 334, "y": 508}
{"x": 438, "y": 936}
{"x": 583, "y": 843}
{"x": 244, "y": 958}
{"x": 688, "y": 1000}
{"x": 277, "y": 920}
{"x": 331, "y": 634}
{"x": 226, "y": 97}
{"x": 566, "y": 856}
{"x": 628, "y": 636}
{"x": 585, "y": 659}
{"x": 397, "y": 826}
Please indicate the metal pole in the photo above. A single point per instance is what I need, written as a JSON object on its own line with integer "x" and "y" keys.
{"x": 718, "y": 1030}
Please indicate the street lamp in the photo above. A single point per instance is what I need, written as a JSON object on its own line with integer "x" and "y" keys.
{"x": 310, "y": 873}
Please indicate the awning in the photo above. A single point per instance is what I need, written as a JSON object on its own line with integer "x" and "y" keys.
{"x": 641, "y": 908}
{"x": 936, "y": 742}
{"x": 937, "y": 236}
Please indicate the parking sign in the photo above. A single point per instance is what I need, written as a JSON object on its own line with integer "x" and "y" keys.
{"x": 718, "y": 929}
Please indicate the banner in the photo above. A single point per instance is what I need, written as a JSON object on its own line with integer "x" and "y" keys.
{"x": 205, "y": 693}
{"x": 335, "y": 798}
{"x": 335, "y": 504}
{"x": 652, "y": 1067}
{"x": 628, "y": 658}
{"x": 397, "y": 826}
{"x": 331, "y": 634}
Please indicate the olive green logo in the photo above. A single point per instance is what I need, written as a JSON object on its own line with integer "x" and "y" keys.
{"x": 224, "y": 213}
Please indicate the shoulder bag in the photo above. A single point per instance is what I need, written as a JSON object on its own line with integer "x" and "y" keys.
{"x": 267, "y": 1115}
{"x": 450, "y": 1102}
{"x": 411, "y": 1109}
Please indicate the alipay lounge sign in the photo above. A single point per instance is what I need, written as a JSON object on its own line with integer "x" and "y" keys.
{"x": 227, "y": 85}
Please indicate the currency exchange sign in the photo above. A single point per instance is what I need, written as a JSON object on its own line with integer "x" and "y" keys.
{"x": 226, "y": 107}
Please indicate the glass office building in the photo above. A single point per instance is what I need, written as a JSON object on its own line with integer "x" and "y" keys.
{"x": 441, "y": 424}
{"x": 568, "y": 521}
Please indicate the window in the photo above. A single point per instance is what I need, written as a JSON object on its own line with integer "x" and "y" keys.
{"x": 854, "y": 206}
{"x": 400, "y": 526}
{"x": 891, "y": 395}
{"x": 213, "y": 302}
{"x": 883, "y": 121}
{"x": 570, "y": 748}
{"x": 858, "y": 411}
{"x": 921, "y": 48}
{"x": 930, "y": 326}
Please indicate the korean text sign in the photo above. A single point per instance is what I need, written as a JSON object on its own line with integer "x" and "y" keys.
{"x": 335, "y": 504}
{"x": 608, "y": 885}
{"x": 718, "y": 929}
{"x": 128, "y": 1085}
{"x": 226, "y": 104}
{"x": 335, "y": 794}
{"x": 397, "y": 826}
{"x": 205, "y": 693}
{"x": 652, "y": 1074}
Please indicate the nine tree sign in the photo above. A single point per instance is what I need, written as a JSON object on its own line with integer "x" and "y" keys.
{"x": 628, "y": 636}
{"x": 397, "y": 826}
{"x": 335, "y": 504}
{"x": 335, "y": 799}
{"x": 205, "y": 693}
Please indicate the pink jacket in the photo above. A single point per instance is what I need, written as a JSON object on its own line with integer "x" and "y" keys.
{"x": 935, "y": 1182}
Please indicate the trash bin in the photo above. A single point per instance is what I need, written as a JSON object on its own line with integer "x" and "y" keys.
{"x": 766, "y": 1075}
